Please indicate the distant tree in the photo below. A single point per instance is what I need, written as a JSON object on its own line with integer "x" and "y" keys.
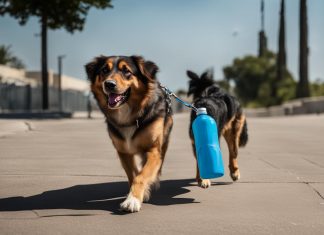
{"x": 317, "y": 87}
{"x": 303, "y": 84}
{"x": 224, "y": 84}
{"x": 6, "y": 58}
{"x": 253, "y": 78}
{"x": 17, "y": 63}
{"x": 181, "y": 92}
{"x": 52, "y": 14}
{"x": 5, "y": 54}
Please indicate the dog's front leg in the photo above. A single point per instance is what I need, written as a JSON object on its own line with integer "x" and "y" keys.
{"x": 140, "y": 188}
{"x": 129, "y": 165}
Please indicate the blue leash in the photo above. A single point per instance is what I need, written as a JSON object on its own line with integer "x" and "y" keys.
{"x": 170, "y": 93}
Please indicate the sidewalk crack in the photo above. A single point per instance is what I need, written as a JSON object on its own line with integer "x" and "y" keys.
{"x": 269, "y": 163}
{"x": 313, "y": 163}
{"x": 35, "y": 212}
{"x": 315, "y": 190}
{"x": 29, "y": 126}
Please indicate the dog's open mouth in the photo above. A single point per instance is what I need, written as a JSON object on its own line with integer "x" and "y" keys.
{"x": 115, "y": 100}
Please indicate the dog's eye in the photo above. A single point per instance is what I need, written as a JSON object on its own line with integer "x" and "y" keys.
{"x": 126, "y": 71}
{"x": 105, "y": 70}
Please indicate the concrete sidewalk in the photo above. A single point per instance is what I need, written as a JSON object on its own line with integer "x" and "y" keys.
{"x": 63, "y": 177}
{"x": 9, "y": 127}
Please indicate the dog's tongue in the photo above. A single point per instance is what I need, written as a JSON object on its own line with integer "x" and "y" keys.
{"x": 114, "y": 98}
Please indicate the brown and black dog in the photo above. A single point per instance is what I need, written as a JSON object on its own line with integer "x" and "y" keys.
{"x": 138, "y": 118}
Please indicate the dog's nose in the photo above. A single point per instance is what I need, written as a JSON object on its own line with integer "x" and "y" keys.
{"x": 110, "y": 85}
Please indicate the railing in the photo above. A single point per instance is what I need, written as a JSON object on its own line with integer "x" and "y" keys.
{"x": 26, "y": 98}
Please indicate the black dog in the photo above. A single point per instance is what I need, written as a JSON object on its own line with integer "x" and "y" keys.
{"x": 227, "y": 112}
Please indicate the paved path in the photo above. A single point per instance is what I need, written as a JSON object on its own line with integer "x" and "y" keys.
{"x": 9, "y": 127}
{"x": 63, "y": 177}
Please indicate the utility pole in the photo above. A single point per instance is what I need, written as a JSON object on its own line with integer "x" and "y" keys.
{"x": 44, "y": 62}
{"x": 60, "y": 67}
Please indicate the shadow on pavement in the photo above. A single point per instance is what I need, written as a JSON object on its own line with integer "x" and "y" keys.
{"x": 103, "y": 196}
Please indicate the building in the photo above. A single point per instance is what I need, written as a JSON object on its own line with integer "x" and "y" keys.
{"x": 22, "y": 90}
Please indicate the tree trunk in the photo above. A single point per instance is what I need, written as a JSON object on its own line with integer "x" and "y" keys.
{"x": 262, "y": 44}
{"x": 44, "y": 62}
{"x": 303, "y": 85}
{"x": 262, "y": 36}
{"x": 281, "y": 56}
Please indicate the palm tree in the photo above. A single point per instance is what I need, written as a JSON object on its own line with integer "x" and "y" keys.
{"x": 282, "y": 43}
{"x": 6, "y": 58}
{"x": 281, "y": 56}
{"x": 303, "y": 84}
{"x": 5, "y": 54}
{"x": 262, "y": 36}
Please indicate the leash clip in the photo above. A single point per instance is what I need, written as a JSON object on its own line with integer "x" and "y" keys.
{"x": 170, "y": 93}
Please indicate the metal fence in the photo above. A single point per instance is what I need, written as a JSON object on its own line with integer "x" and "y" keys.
{"x": 26, "y": 98}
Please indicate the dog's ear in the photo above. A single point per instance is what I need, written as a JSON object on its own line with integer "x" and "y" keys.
{"x": 208, "y": 74}
{"x": 93, "y": 67}
{"x": 147, "y": 68}
{"x": 192, "y": 75}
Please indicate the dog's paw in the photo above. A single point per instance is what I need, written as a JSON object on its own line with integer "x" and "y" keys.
{"x": 204, "y": 183}
{"x": 147, "y": 196}
{"x": 235, "y": 175}
{"x": 131, "y": 204}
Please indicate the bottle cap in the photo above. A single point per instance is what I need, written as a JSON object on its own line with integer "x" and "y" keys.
{"x": 201, "y": 111}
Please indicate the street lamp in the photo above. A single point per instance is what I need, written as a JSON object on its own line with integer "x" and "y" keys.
{"x": 60, "y": 58}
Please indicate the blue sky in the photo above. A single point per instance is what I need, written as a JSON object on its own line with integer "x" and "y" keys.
{"x": 176, "y": 34}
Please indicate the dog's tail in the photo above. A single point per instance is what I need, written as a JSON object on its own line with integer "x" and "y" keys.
{"x": 244, "y": 135}
{"x": 198, "y": 84}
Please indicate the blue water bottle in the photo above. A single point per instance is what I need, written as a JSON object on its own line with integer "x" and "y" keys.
{"x": 209, "y": 155}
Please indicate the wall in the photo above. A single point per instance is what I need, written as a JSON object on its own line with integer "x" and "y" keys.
{"x": 295, "y": 107}
{"x": 27, "y": 98}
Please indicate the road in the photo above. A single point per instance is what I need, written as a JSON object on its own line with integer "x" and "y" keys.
{"x": 64, "y": 177}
